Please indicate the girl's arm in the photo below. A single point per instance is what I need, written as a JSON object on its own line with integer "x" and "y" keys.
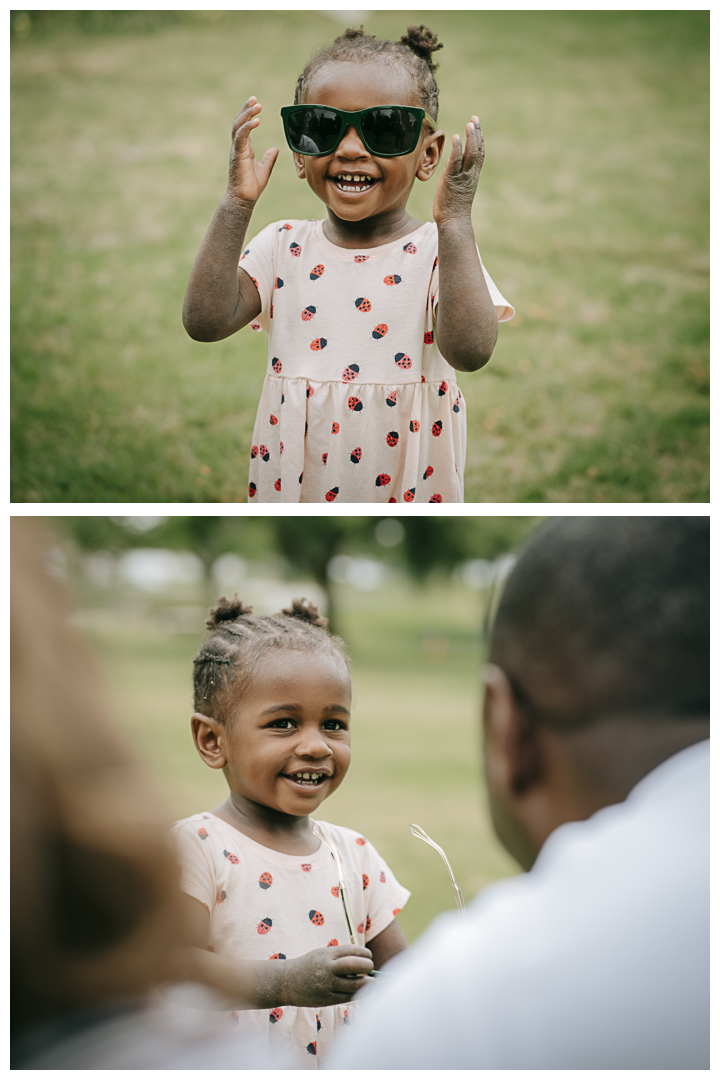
{"x": 387, "y": 944}
{"x": 466, "y": 325}
{"x": 317, "y": 978}
{"x": 220, "y": 296}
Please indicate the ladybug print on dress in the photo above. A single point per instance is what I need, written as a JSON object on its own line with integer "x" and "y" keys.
{"x": 351, "y": 372}
{"x": 230, "y": 857}
{"x": 279, "y": 283}
{"x": 382, "y": 480}
{"x": 273, "y": 419}
{"x": 311, "y": 1048}
{"x": 382, "y": 875}
{"x": 276, "y": 365}
{"x": 335, "y": 427}
{"x": 380, "y": 331}
{"x": 306, "y": 867}
{"x": 282, "y": 447}
{"x": 264, "y": 926}
{"x": 300, "y": 477}
{"x": 264, "y": 452}
{"x": 355, "y": 455}
{"x": 360, "y": 840}
{"x": 392, "y": 438}
{"x": 354, "y": 404}
{"x": 265, "y": 880}
{"x": 203, "y": 834}
{"x": 437, "y": 428}
{"x": 392, "y": 500}
{"x": 285, "y": 226}
{"x": 275, "y": 1015}
{"x": 361, "y": 258}
{"x": 309, "y": 393}
{"x": 335, "y": 891}
{"x": 307, "y": 313}
{"x": 346, "y": 1016}
{"x": 317, "y": 271}
{"x": 278, "y": 484}
{"x": 403, "y": 360}
{"x": 442, "y": 389}
{"x": 456, "y": 404}
{"x": 391, "y": 399}
{"x": 317, "y": 1021}
{"x": 392, "y": 279}
{"x": 272, "y": 310}
{"x": 363, "y": 304}
{"x": 409, "y": 495}
{"x": 295, "y": 250}
{"x": 318, "y": 344}
{"x": 396, "y": 911}
{"x": 332, "y": 494}
{"x": 435, "y": 263}
{"x": 324, "y": 459}
{"x": 414, "y": 425}
{"x": 278, "y": 956}
{"x": 316, "y": 918}
{"x": 429, "y": 337}
{"x": 252, "y": 490}
{"x": 331, "y": 943}
{"x": 221, "y": 896}
{"x": 366, "y": 881}
{"x": 428, "y": 472}
{"x": 436, "y": 498}
{"x": 410, "y": 249}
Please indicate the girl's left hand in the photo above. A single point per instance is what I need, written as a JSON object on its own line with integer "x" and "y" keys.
{"x": 459, "y": 179}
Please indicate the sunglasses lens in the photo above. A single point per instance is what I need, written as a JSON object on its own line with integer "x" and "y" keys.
{"x": 391, "y": 132}
{"x": 313, "y": 131}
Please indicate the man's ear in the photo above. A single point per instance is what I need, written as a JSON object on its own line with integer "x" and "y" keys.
{"x": 515, "y": 757}
{"x": 432, "y": 152}
{"x": 209, "y": 736}
{"x": 299, "y": 165}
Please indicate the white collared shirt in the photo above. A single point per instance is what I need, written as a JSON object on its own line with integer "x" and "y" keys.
{"x": 596, "y": 959}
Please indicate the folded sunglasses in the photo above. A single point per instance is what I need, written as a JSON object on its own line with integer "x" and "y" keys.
{"x": 386, "y": 130}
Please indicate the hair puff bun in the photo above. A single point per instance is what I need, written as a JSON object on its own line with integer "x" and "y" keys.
{"x": 306, "y": 610}
{"x": 226, "y": 611}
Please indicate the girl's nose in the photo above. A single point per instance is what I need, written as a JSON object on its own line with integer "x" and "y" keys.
{"x": 351, "y": 145}
{"x": 313, "y": 744}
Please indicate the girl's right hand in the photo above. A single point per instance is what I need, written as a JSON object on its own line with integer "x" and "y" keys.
{"x": 320, "y": 977}
{"x": 248, "y": 178}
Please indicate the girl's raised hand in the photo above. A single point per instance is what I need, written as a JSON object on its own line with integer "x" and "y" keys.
{"x": 248, "y": 178}
{"x": 320, "y": 977}
{"x": 459, "y": 179}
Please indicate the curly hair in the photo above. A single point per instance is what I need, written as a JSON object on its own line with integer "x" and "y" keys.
{"x": 414, "y": 50}
{"x": 224, "y": 667}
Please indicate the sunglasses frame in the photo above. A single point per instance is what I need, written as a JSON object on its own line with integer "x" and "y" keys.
{"x": 353, "y": 119}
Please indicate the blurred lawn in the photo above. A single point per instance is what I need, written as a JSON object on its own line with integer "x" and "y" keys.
{"x": 592, "y": 216}
{"x": 415, "y": 732}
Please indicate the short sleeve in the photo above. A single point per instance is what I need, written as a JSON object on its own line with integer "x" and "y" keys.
{"x": 386, "y": 896}
{"x": 197, "y": 877}
{"x": 505, "y": 310}
{"x": 258, "y": 260}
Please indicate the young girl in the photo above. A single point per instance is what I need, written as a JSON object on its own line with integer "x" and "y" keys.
{"x": 272, "y": 696}
{"x": 368, "y": 312}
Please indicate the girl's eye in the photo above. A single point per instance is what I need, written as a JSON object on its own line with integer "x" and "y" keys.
{"x": 283, "y": 724}
{"x": 335, "y": 725}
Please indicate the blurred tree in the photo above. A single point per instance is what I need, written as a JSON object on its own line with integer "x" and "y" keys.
{"x": 432, "y": 543}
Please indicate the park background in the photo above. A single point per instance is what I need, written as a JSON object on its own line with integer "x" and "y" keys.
{"x": 592, "y": 216}
{"x": 410, "y": 600}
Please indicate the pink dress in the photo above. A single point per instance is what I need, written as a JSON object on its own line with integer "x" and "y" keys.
{"x": 358, "y": 403}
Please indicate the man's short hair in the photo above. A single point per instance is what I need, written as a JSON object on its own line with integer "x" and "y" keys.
{"x": 609, "y": 615}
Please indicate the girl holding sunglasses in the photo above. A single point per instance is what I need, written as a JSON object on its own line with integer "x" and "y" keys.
{"x": 369, "y": 312}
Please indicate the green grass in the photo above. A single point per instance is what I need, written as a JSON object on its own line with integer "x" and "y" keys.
{"x": 416, "y": 753}
{"x": 592, "y": 216}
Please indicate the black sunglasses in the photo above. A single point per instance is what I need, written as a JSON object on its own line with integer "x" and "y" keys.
{"x": 386, "y": 130}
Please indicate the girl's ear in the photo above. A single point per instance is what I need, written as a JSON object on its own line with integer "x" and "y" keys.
{"x": 299, "y": 165}
{"x": 432, "y": 152}
{"x": 209, "y": 737}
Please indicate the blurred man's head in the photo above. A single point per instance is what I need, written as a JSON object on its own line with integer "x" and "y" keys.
{"x": 599, "y": 668}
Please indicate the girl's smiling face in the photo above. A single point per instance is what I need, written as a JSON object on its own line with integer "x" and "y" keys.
{"x": 352, "y": 86}
{"x": 287, "y": 742}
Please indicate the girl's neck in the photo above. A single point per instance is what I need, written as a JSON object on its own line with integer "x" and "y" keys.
{"x": 370, "y": 232}
{"x": 274, "y": 830}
